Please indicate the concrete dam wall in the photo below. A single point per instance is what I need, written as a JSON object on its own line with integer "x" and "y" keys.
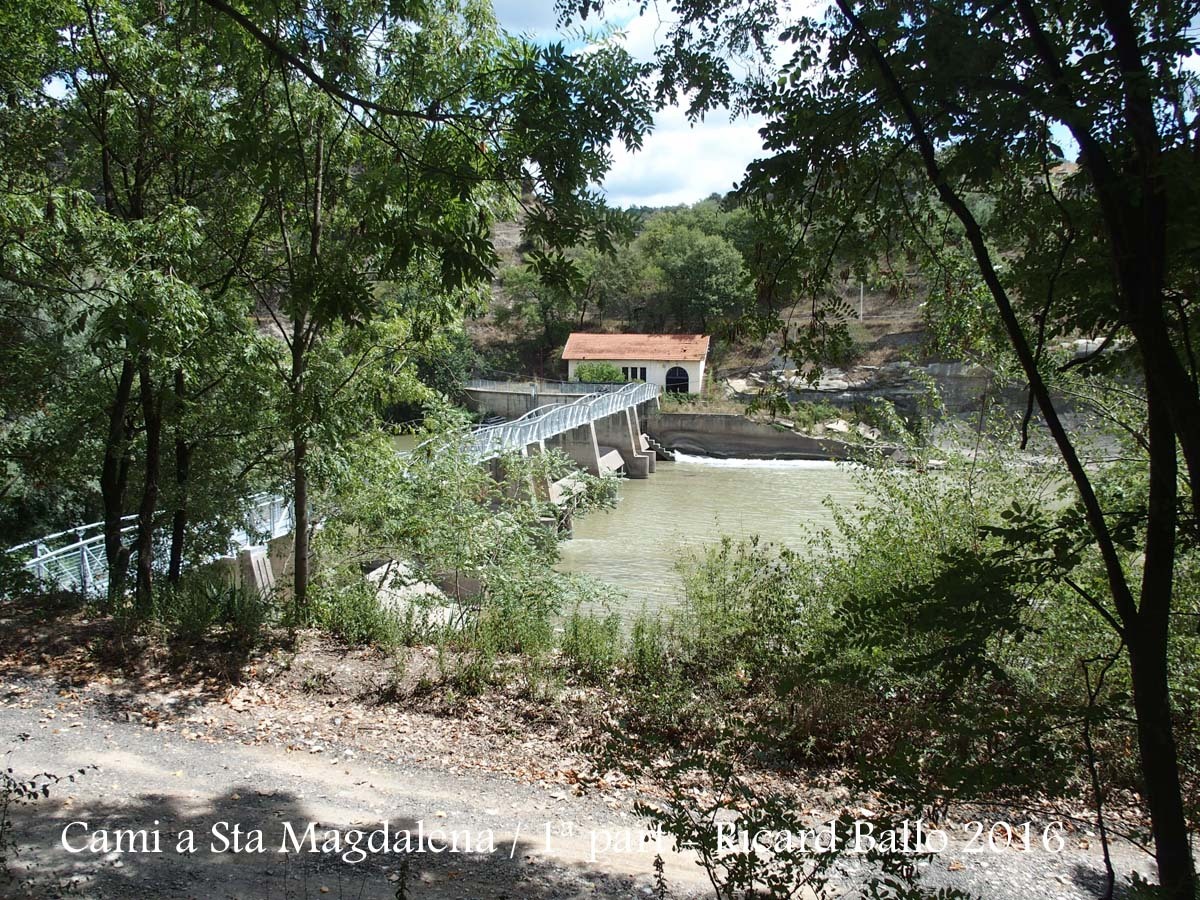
{"x": 733, "y": 436}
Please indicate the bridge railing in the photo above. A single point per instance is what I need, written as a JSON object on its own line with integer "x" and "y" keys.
{"x": 554, "y": 419}
{"x": 540, "y": 386}
{"x": 76, "y": 559}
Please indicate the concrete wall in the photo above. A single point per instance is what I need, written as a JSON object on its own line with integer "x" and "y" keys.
{"x": 512, "y": 404}
{"x": 726, "y": 436}
{"x": 656, "y": 370}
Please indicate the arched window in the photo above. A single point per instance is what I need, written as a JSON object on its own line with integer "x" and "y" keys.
{"x": 677, "y": 380}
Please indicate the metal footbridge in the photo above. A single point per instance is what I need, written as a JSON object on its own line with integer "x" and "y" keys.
{"x": 552, "y": 419}
{"x": 75, "y": 559}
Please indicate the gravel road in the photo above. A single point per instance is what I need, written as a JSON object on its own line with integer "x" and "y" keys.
{"x": 525, "y": 840}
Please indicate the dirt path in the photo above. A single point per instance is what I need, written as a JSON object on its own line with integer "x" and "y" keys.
{"x": 528, "y": 840}
{"x": 338, "y": 738}
{"x": 151, "y": 779}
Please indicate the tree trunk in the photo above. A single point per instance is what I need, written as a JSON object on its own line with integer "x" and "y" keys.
{"x": 299, "y": 474}
{"x": 183, "y": 470}
{"x": 300, "y": 340}
{"x": 1148, "y": 637}
{"x": 152, "y": 418}
{"x": 1160, "y": 767}
{"x": 300, "y": 581}
{"x": 113, "y": 476}
{"x": 179, "y": 518}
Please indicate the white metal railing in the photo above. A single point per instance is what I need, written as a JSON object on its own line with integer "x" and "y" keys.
{"x": 72, "y": 559}
{"x": 76, "y": 559}
{"x": 553, "y": 419}
{"x": 538, "y": 386}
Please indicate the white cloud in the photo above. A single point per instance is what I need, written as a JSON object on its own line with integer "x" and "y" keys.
{"x": 524, "y": 17}
{"x": 679, "y": 163}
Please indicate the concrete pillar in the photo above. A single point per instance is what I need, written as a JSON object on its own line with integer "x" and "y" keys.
{"x": 617, "y": 431}
{"x": 539, "y": 487}
{"x": 255, "y": 570}
{"x": 581, "y": 445}
{"x": 651, "y": 456}
{"x": 281, "y": 552}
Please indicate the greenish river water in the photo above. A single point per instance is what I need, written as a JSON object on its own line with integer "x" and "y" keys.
{"x": 692, "y": 502}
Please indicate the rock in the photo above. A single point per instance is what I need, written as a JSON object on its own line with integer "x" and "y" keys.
{"x": 398, "y": 588}
{"x": 833, "y": 384}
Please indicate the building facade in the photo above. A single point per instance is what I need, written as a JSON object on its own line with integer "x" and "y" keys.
{"x": 675, "y": 362}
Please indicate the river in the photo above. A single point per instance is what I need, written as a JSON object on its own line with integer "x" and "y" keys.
{"x": 692, "y": 502}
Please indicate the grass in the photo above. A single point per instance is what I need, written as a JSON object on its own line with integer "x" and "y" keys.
{"x": 204, "y": 605}
{"x": 592, "y": 645}
{"x": 354, "y": 614}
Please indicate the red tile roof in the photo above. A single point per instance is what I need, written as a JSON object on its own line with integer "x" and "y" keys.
{"x": 636, "y": 346}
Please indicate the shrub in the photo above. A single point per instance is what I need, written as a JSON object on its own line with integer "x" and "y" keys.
{"x": 190, "y": 609}
{"x": 648, "y": 647}
{"x": 592, "y": 644}
{"x": 740, "y": 610}
{"x": 598, "y": 373}
{"x": 808, "y": 414}
{"x": 15, "y": 580}
{"x": 202, "y": 603}
{"x": 353, "y": 613}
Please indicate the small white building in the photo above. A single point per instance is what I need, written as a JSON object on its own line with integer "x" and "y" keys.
{"x": 675, "y": 362}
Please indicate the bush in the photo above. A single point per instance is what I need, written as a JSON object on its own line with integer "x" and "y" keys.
{"x": 592, "y": 644}
{"x": 598, "y": 373}
{"x": 808, "y": 414}
{"x": 741, "y": 606}
{"x": 190, "y": 609}
{"x": 911, "y": 635}
{"x": 353, "y": 613}
{"x": 202, "y": 603}
{"x": 678, "y": 398}
{"x": 647, "y": 656}
{"x": 15, "y": 580}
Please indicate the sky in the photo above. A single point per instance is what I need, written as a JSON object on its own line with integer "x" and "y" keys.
{"x": 678, "y": 162}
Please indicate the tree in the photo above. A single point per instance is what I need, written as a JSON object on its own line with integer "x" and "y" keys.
{"x": 547, "y": 310}
{"x": 191, "y": 188}
{"x": 124, "y": 261}
{"x": 391, "y": 144}
{"x": 685, "y": 269}
{"x": 910, "y": 114}
{"x": 704, "y": 277}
